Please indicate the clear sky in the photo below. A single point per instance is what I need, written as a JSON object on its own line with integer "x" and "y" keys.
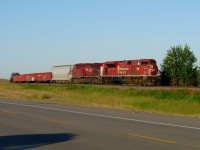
{"x": 38, "y": 34}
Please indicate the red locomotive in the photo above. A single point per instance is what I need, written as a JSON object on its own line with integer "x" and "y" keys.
{"x": 135, "y": 72}
{"x": 130, "y": 68}
{"x": 138, "y": 72}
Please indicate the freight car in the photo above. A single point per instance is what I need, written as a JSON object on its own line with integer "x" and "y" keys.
{"x": 62, "y": 74}
{"x": 135, "y": 72}
{"x": 44, "y": 77}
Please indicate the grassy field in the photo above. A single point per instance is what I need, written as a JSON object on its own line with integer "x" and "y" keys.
{"x": 179, "y": 102}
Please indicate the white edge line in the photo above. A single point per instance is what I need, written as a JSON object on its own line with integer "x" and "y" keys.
{"x": 98, "y": 115}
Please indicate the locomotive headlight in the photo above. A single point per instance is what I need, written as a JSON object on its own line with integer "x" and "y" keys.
{"x": 151, "y": 70}
{"x": 150, "y": 66}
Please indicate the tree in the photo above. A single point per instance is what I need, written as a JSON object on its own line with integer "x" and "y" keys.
{"x": 179, "y": 66}
{"x": 198, "y": 76}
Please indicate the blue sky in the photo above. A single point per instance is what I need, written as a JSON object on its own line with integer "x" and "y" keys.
{"x": 38, "y": 34}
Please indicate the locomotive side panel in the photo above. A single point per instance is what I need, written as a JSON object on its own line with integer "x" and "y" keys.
{"x": 86, "y": 70}
{"x": 86, "y": 73}
{"x": 141, "y": 67}
{"x": 121, "y": 68}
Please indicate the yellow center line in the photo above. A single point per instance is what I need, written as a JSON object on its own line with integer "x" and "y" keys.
{"x": 58, "y": 122}
{"x": 153, "y": 138}
{"x": 8, "y": 112}
{"x": 36, "y": 117}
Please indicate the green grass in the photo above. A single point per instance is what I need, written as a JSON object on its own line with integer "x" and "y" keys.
{"x": 179, "y": 102}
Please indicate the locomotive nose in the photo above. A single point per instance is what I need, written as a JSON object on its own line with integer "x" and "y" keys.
{"x": 151, "y": 66}
{"x": 153, "y": 69}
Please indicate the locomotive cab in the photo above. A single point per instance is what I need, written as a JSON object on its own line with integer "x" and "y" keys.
{"x": 149, "y": 66}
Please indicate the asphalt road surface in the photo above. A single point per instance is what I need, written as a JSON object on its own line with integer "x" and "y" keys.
{"x": 50, "y": 126}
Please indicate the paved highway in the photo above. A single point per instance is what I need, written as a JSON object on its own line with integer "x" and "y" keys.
{"x": 49, "y": 126}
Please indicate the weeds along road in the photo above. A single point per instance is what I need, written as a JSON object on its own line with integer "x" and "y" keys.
{"x": 42, "y": 125}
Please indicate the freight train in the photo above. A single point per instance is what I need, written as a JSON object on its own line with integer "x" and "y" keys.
{"x": 134, "y": 72}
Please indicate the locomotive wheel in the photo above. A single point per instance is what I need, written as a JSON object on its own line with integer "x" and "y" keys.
{"x": 94, "y": 81}
{"x": 105, "y": 81}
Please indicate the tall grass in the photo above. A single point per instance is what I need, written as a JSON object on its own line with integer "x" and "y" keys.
{"x": 183, "y": 102}
{"x": 173, "y": 95}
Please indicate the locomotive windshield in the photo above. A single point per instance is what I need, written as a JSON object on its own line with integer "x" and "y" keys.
{"x": 148, "y": 63}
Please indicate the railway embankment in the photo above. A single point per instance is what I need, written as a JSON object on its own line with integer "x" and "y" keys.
{"x": 180, "y": 101}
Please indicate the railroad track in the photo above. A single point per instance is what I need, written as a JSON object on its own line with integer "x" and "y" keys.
{"x": 128, "y": 86}
{"x": 143, "y": 87}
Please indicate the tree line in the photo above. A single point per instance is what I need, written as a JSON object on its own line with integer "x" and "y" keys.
{"x": 179, "y": 67}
